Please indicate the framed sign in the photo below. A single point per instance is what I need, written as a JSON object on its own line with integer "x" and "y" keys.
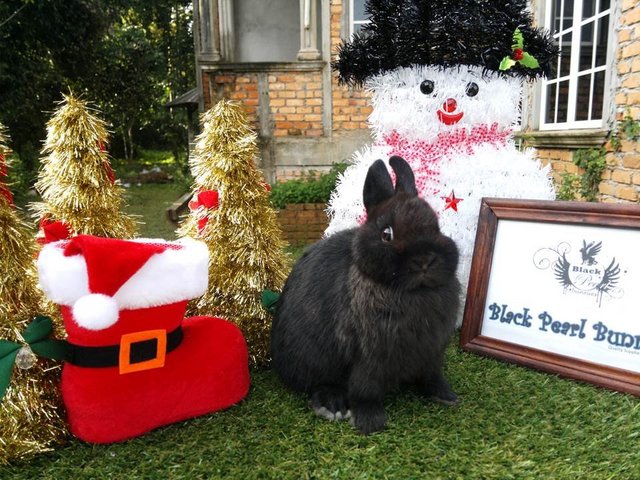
{"x": 556, "y": 286}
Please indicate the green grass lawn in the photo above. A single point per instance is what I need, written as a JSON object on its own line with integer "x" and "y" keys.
{"x": 149, "y": 203}
{"x": 512, "y": 423}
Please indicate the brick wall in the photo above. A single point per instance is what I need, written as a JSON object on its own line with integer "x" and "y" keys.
{"x": 351, "y": 106}
{"x": 621, "y": 179}
{"x": 295, "y": 101}
{"x": 242, "y": 87}
{"x": 295, "y": 98}
{"x": 304, "y": 223}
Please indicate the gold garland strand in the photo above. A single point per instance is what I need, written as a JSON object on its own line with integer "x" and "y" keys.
{"x": 76, "y": 180}
{"x": 31, "y": 416}
{"x": 244, "y": 238}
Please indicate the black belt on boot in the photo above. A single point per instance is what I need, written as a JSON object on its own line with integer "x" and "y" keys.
{"x": 144, "y": 348}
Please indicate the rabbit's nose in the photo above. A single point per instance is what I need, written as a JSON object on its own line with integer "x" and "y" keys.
{"x": 450, "y": 105}
{"x": 423, "y": 263}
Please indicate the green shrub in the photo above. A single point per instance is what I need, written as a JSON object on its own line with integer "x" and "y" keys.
{"x": 311, "y": 188}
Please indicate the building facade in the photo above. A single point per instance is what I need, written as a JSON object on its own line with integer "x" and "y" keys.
{"x": 274, "y": 56}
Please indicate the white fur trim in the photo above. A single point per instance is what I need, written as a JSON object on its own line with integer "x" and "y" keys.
{"x": 168, "y": 277}
{"x": 95, "y": 311}
{"x": 63, "y": 279}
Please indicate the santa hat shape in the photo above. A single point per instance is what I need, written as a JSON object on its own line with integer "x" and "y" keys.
{"x": 402, "y": 33}
{"x": 98, "y": 277}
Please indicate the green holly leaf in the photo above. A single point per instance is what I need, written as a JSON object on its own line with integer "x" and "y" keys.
{"x": 52, "y": 349}
{"x": 39, "y": 329}
{"x": 270, "y": 300}
{"x": 529, "y": 61}
{"x": 36, "y": 335}
{"x": 507, "y": 63}
{"x": 518, "y": 40}
{"x": 9, "y": 351}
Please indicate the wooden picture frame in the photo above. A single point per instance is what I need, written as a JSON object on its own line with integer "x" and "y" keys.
{"x": 555, "y": 286}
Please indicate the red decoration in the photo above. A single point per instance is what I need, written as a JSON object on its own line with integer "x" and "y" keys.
{"x": 4, "y": 191}
{"x": 205, "y": 198}
{"x": 53, "y": 231}
{"x": 451, "y": 201}
{"x": 424, "y": 157}
{"x": 267, "y": 187}
{"x": 518, "y": 54}
{"x": 204, "y": 371}
{"x": 202, "y": 223}
{"x": 3, "y": 167}
{"x": 111, "y": 175}
{"x": 446, "y": 115}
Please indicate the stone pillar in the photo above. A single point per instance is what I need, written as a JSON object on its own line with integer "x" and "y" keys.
{"x": 205, "y": 24}
{"x": 308, "y": 31}
{"x": 227, "y": 33}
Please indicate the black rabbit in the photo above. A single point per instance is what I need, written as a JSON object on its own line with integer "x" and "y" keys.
{"x": 370, "y": 308}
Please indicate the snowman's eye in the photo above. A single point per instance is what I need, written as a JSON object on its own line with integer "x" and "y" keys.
{"x": 472, "y": 89}
{"x": 426, "y": 87}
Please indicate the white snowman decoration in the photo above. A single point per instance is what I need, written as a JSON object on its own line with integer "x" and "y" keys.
{"x": 447, "y": 104}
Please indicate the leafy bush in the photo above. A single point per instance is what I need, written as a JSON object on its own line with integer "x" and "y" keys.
{"x": 311, "y": 188}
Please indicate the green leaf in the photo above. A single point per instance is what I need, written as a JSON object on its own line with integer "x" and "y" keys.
{"x": 6, "y": 347}
{"x": 529, "y": 61}
{"x": 51, "y": 349}
{"x": 270, "y": 300}
{"x": 518, "y": 40}
{"x": 6, "y": 367}
{"x": 39, "y": 329}
{"x": 507, "y": 63}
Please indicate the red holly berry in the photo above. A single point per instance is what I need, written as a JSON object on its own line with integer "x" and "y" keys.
{"x": 518, "y": 54}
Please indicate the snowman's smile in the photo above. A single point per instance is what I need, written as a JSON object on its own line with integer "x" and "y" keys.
{"x": 446, "y": 114}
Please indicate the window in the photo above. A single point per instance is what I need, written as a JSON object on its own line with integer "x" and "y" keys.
{"x": 573, "y": 96}
{"x": 357, "y": 16}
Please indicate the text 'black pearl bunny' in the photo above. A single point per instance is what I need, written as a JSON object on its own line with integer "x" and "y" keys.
{"x": 368, "y": 309}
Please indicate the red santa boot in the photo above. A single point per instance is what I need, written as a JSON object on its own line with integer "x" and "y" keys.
{"x": 135, "y": 363}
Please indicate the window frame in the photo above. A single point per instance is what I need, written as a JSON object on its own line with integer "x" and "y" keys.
{"x": 352, "y": 21}
{"x": 574, "y": 73}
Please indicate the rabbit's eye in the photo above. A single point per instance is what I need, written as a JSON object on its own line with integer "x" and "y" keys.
{"x": 426, "y": 87}
{"x": 387, "y": 234}
{"x": 472, "y": 89}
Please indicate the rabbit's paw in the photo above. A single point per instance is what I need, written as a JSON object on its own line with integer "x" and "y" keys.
{"x": 369, "y": 418}
{"x": 439, "y": 390}
{"x": 330, "y": 403}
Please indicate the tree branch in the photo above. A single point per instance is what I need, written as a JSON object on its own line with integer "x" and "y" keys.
{"x": 13, "y": 15}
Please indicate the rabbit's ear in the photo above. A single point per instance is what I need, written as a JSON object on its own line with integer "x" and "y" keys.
{"x": 377, "y": 185}
{"x": 405, "y": 180}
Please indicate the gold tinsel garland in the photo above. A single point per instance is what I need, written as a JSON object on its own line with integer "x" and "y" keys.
{"x": 31, "y": 416}
{"x": 244, "y": 238}
{"x": 76, "y": 180}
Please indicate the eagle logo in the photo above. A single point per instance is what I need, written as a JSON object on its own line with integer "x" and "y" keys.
{"x": 585, "y": 276}
{"x": 589, "y": 252}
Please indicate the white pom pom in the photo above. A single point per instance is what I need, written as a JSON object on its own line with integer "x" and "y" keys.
{"x": 95, "y": 311}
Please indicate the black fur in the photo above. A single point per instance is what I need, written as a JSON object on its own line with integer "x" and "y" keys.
{"x": 359, "y": 316}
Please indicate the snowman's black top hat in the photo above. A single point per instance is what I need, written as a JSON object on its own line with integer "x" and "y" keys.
{"x": 495, "y": 35}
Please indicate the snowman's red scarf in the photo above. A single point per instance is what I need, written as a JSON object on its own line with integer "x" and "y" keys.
{"x": 425, "y": 157}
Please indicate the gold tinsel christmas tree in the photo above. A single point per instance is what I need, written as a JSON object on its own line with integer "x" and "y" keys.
{"x": 76, "y": 180}
{"x": 232, "y": 214}
{"x": 31, "y": 417}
